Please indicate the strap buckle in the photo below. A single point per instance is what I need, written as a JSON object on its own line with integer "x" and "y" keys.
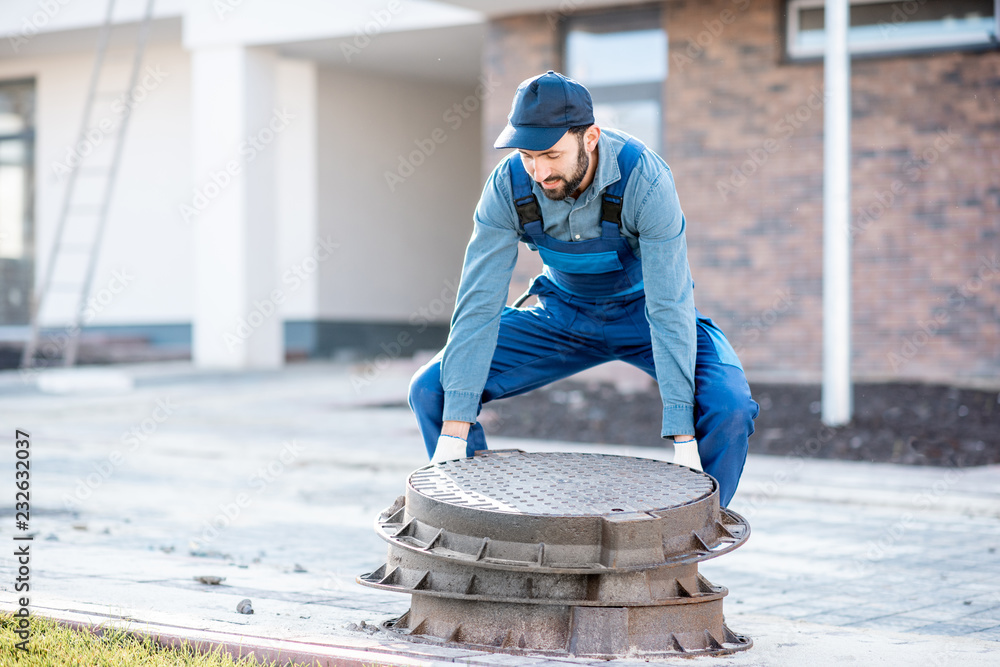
{"x": 611, "y": 209}
{"x": 528, "y": 209}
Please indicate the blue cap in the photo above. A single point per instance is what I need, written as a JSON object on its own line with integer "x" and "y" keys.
{"x": 544, "y": 107}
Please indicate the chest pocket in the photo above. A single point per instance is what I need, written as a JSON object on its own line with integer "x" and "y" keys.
{"x": 596, "y": 262}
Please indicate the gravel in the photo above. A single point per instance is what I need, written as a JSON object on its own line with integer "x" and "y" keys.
{"x": 907, "y": 423}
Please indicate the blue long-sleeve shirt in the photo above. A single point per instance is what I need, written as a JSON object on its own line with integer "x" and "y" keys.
{"x": 654, "y": 225}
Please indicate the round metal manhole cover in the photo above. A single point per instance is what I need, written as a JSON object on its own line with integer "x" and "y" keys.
{"x": 561, "y": 484}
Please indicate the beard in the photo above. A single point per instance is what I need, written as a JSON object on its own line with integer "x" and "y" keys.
{"x": 569, "y": 185}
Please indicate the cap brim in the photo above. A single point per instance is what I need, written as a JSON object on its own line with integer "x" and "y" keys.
{"x": 529, "y": 138}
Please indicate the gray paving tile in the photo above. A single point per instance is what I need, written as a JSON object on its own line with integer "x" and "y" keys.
{"x": 801, "y": 561}
{"x": 930, "y": 612}
{"x": 795, "y": 611}
{"x": 832, "y": 619}
{"x": 950, "y": 629}
{"x": 988, "y": 634}
{"x": 891, "y": 623}
{"x": 985, "y": 616}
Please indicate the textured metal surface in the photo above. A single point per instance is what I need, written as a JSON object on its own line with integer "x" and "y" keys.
{"x": 562, "y": 484}
{"x": 419, "y": 574}
{"x": 559, "y": 554}
{"x": 683, "y": 543}
{"x": 581, "y": 512}
{"x": 558, "y": 630}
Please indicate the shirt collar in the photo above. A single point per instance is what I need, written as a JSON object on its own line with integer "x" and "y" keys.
{"x": 607, "y": 167}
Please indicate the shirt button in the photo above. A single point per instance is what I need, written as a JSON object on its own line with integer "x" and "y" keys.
{"x": 578, "y": 236}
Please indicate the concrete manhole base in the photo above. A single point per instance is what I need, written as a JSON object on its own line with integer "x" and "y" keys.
{"x": 560, "y": 554}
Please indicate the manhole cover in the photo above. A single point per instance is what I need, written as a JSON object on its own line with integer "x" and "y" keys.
{"x": 562, "y": 484}
{"x": 560, "y": 554}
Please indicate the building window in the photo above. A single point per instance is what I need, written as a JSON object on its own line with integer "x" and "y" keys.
{"x": 893, "y": 27}
{"x": 622, "y": 59}
{"x": 17, "y": 232}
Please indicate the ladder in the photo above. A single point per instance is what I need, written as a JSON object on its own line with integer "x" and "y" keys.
{"x": 76, "y": 244}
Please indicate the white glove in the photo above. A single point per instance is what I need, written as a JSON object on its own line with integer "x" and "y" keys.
{"x": 449, "y": 448}
{"x": 686, "y": 454}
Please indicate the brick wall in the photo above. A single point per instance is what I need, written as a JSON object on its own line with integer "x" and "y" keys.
{"x": 744, "y": 139}
{"x": 516, "y": 48}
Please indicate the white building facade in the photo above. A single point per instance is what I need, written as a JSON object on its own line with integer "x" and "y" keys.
{"x": 296, "y": 177}
{"x": 299, "y": 177}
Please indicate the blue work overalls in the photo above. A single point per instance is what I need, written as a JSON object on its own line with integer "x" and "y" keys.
{"x": 591, "y": 309}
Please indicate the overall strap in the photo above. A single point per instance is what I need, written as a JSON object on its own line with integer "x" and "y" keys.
{"x": 611, "y": 203}
{"x": 525, "y": 202}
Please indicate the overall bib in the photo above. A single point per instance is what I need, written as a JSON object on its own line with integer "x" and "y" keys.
{"x": 591, "y": 309}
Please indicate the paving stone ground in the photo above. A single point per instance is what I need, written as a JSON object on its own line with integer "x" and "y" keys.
{"x": 146, "y": 477}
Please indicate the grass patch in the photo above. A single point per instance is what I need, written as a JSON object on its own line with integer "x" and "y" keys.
{"x": 51, "y": 644}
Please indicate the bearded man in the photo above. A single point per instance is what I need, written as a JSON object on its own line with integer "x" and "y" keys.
{"x": 602, "y": 211}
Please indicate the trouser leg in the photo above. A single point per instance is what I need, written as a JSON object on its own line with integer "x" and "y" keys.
{"x": 426, "y": 399}
{"x": 723, "y": 409}
{"x": 535, "y": 346}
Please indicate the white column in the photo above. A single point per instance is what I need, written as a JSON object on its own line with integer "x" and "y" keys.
{"x": 836, "y": 396}
{"x": 237, "y": 323}
{"x": 299, "y": 247}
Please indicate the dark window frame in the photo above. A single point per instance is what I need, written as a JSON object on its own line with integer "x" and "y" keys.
{"x": 648, "y": 16}
{"x": 20, "y": 271}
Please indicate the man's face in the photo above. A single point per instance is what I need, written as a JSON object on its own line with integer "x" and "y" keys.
{"x": 561, "y": 168}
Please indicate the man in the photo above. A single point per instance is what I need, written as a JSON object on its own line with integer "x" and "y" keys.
{"x": 603, "y": 213}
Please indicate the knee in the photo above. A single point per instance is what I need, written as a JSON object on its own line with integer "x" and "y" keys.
{"x": 731, "y": 406}
{"x": 425, "y": 387}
